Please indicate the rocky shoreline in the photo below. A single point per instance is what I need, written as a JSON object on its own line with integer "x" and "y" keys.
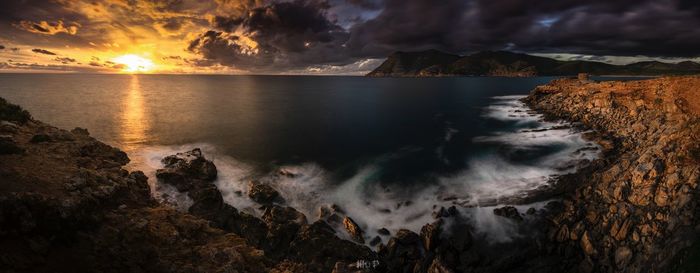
{"x": 635, "y": 209}
{"x": 67, "y": 204}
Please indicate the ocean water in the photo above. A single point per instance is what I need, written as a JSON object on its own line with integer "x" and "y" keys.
{"x": 389, "y": 151}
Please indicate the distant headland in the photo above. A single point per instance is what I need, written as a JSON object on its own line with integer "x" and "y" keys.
{"x": 435, "y": 63}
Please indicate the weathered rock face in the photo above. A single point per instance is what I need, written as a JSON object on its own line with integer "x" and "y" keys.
{"x": 354, "y": 230}
{"x": 262, "y": 193}
{"x": 187, "y": 170}
{"x": 508, "y": 212}
{"x": 635, "y": 209}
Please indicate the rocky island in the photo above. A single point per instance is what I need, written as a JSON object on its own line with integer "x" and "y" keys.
{"x": 67, "y": 204}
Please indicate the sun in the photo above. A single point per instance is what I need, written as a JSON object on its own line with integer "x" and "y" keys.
{"x": 134, "y": 63}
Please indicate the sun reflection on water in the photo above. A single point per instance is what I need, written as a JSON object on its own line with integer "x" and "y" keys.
{"x": 134, "y": 123}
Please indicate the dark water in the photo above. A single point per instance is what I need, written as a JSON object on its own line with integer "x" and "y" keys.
{"x": 336, "y": 122}
{"x": 364, "y": 143}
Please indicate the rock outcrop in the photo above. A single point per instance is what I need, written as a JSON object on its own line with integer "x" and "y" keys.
{"x": 635, "y": 209}
{"x": 283, "y": 233}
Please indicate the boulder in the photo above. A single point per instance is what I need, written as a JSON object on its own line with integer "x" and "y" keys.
{"x": 354, "y": 230}
{"x": 430, "y": 235}
{"x": 403, "y": 252}
{"x": 187, "y": 170}
{"x": 375, "y": 241}
{"x": 317, "y": 246}
{"x": 438, "y": 266}
{"x": 191, "y": 164}
{"x": 508, "y": 212}
{"x": 262, "y": 193}
{"x": 586, "y": 245}
{"x": 384, "y": 231}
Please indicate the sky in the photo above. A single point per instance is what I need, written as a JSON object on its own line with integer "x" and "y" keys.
{"x": 330, "y": 36}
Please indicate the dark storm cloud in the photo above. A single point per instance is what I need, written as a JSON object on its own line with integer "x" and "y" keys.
{"x": 43, "y": 51}
{"x": 366, "y": 4}
{"x": 287, "y": 35}
{"x": 408, "y": 25}
{"x": 624, "y": 28}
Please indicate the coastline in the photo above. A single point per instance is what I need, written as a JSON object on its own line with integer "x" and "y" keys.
{"x": 632, "y": 210}
{"x": 71, "y": 201}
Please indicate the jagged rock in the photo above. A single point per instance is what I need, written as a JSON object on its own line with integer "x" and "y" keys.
{"x": 323, "y": 212}
{"x": 375, "y": 241}
{"x": 262, "y": 193}
{"x": 187, "y": 171}
{"x": 443, "y": 213}
{"x": 334, "y": 219}
{"x": 438, "y": 266}
{"x": 384, "y": 231}
{"x": 354, "y": 230}
{"x": 337, "y": 209}
{"x": 191, "y": 164}
{"x": 403, "y": 251}
{"x": 317, "y": 246}
{"x": 283, "y": 224}
{"x": 586, "y": 245}
{"x": 508, "y": 212}
{"x": 430, "y": 235}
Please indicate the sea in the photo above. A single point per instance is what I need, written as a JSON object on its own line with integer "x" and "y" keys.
{"x": 389, "y": 151}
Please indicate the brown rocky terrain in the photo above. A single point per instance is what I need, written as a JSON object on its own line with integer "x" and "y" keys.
{"x": 635, "y": 209}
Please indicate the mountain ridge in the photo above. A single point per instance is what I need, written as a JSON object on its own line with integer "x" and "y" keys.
{"x": 435, "y": 63}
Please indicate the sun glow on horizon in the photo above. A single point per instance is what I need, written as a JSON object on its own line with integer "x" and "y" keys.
{"x": 134, "y": 63}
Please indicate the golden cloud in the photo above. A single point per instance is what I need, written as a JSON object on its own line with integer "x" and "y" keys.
{"x": 49, "y": 28}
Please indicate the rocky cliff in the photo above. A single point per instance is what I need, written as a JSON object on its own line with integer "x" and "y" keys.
{"x": 433, "y": 63}
{"x": 635, "y": 210}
